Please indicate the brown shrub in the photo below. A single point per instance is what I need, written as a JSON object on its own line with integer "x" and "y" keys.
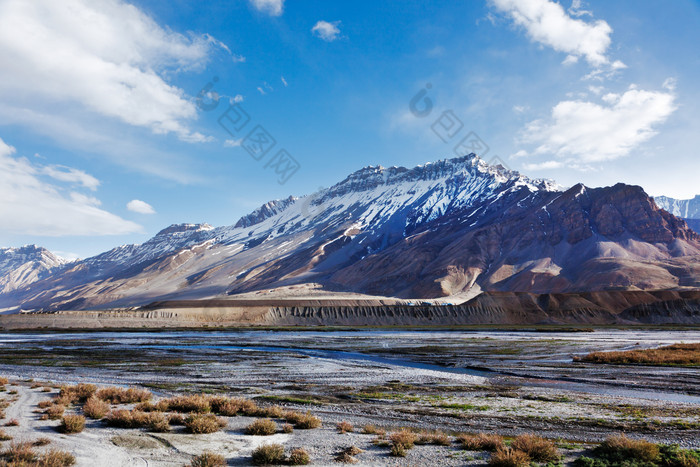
{"x": 437, "y": 438}
{"x": 176, "y": 419}
{"x": 481, "y": 442}
{"x": 201, "y": 424}
{"x": 676, "y": 354}
{"x": 46, "y": 389}
{"x": 404, "y": 438}
{"x": 274, "y": 411}
{"x": 187, "y": 404}
{"x": 158, "y": 422}
{"x": 55, "y": 458}
{"x": 80, "y": 392}
{"x": 41, "y": 442}
{"x": 12, "y": 422}
{"x": 536, "y": 447}
{"x": 268, "y": 454}
{"x": 299, "y": 456}
{"x": 19, "y": 453}
{"x": 72, "y": 424}
{"x": 620, "y": 446}
{"x": 287, "y": 428}
{"x": 4, "y": 436}
{"x": 345, "y": 427}
{"x": 262, "y": 427}
{"x": 55, "y": 412}
{"x": 45, "y": 404}
{"x": 95, "y": 408}
{"x": 397, "y": 450}
{"x": 305, "y": 421}
{"x": 115, "y": 395}
{"x": 346, "y": 456}
{"x": 373, "y": 430}
{"x": 248, "y": 407}
{"x": 127, "y": 419}
{"x": 208, "y": 459}
{"x": 509, "y": 457}
{"x": 147, "y": 406}
{"x": 4, "y": 381}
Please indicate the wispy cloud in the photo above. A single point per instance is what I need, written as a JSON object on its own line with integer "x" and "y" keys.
{"x": 270, "y": 7}
{"x": 141, "y": 207}
{"x": 327, "y": 31}
{"x": 586, "y": 132}
{"x": 547, "y": 23}
{"x": 30, "y": 205}
{"x": 107, "y": 58}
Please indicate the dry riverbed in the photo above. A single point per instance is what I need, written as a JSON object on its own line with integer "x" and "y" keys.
{"x": 425, "y": 382}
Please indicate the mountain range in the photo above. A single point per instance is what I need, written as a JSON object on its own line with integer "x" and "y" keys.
{"x": 444, "y": 231}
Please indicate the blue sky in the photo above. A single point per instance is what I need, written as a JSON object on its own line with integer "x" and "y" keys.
{"x": 103, "y": 139}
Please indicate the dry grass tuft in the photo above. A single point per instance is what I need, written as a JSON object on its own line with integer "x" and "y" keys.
{"x": 72, "y": 424}
{"x": 676, "y": 354}
{"x": 19, "y": 454}
{"x": 302, "y": 421}
{"x": 262, "y": 427}
{"x": 185, "y": 404}
{"x": 403, "y": 438}
{"x": 347, "y": 456}
{"x": 4, "y": 381}
{"x": 202, "y": 424}
{"x": 509, "y": 457}
{"x": 55, "y": 412}
{"x": 287, "y": 428}
{"x": 373, "y": 430}
{"x": 41, "y": 442}
{"x": 12, "y": 422}
{"x": 4, "y": 436}
{"x": 268, "y": 454}
{"x": 345, "y": 427}
{"x": 45, "y": 404}
{"x": 481, "y": 442}
{"x": 55, "y": 458}
{"x": 438, "y": 438}
{"x": 397, "y": 450}
{"x": 116, "y": 395}
{"x": 208, "y": 459}
{"x": 78, "y": 393}
{"x": 95, "y": 408}
{"x": 299, "y": 456}
{"x": 536, "y": 447}
{"x": 621, "y": 448}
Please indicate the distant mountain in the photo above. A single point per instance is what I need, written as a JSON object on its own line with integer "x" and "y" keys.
{"x": 20, "y": 267}
{"x": 437, "y": 230}
{"x": 687, "y": 209}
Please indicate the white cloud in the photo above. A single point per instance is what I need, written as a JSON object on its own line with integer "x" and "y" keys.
{"x": 518, "y": 109}
{"x": 141, "y": 207}
{"x": 68, "y": 174}
{"x": 233, "y": 143}
{"x": 238, "y": 58}
{"x": 546, "y": 165}
{"x": 238, "y": 98}
{"x": 271, "y": 7}
{"x": 548, "y": 23}
{"x": 284, "y": 81}
{"x": 326, "y": 31}
{"x": 261, "y": 90}
{"x": 108, "y": 58}
{"x": 30, "y": 205}
{"x": 592, "y": 132}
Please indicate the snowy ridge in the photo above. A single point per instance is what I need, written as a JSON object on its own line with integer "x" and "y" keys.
{"x": 685, "y": 208}
{"x": 20, "y": 267}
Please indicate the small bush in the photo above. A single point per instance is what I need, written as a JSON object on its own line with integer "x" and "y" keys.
{"x": 347, "y": 456}
{"x": 19, "y": 453}
{"x": 176, "y": 419}
{"x": 437, "y": 438}
{"x": 95, "y": 408}
{"x": 46, "y": 389}
{"x": 127, "y": 419}
{"x": 287, "y": 428}
{"x": 187, "y": 404}
{"x": 158, "y": 422}
{"x": 262, "y": 427}
{"x": 115, "y": 395}
{"x": 268, "y": 454}
{"x": 372, "y": 430}
{"x": 12, "y": 422}
{"x": 4, "y": 381}
{"x": 80, "y": 392}
{"x": 41, "y": 442}
{"x": 208, "y": 459}
{"x": 45, "y": 404}
{"x": 55, "y": 458}
{"x": 72, "y": 424}
{"x": 202, "y": 424}
{"x": 55, "y": 412}
{"x": 299, "y": 456}
{"x": 536, "y": 447}
{"x": 509, "y": 457}
{"x": 673, "y": 456}
{"x": 404, "y": 438}
{"x": 481, "y": 442}
{"x": 274, "y": 411}
{"x": 620, "y": 448}
{"x": 307, "y": 422}
{"x": 4, "y": 436}
{"x": 397, "y": 450}
{"x": 345, "y": 427}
